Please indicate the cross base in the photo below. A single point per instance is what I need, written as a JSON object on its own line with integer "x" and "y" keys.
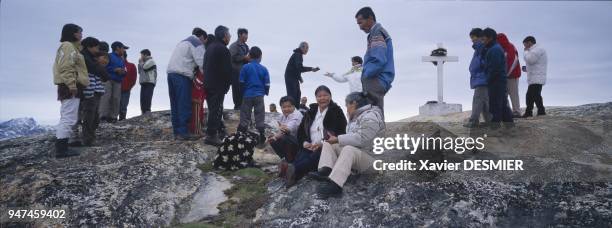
{"x": 438, "y": 109}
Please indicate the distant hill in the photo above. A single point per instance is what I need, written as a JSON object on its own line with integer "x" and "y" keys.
{"x": 21, "y": 127}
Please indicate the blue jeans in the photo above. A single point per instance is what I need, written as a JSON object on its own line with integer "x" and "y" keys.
{"x": 123, "y": 104}
{"x": 306, "y": 162}
{"x": 179, "y": 87}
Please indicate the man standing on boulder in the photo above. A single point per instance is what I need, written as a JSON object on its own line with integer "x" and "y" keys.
{"x": 294, "y": 70}
{"x": 240, "y": 56}
{"x": 495, "y": 68}
{"x": 187, "y": 55}
{"x": 378, "y": 69}
{"x": 217, "y": 80}
{"x": 109, "y": 103}
{"x": 537, "y": 61}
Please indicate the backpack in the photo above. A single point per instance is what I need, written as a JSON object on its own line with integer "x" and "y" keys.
{"x": 236, "y": 151}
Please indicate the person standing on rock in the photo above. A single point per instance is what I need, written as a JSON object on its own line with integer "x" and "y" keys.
{"x": 294, "y": 70}
{"x": 147, "y": 70}
{"x": 187, "y": 55}
{"x": 478, "y": 82}
{"x": 495, "y": 69}
{"x": 284, "y": 142}
{"x": 70, "y": 75}
{"x": 109, "y": 103}
{"x": 217, "y": 80}
{"x": 353, "y": 76}
{"x": 240, "y": 56}
{"x": 303, "y": 108}
{"x": 514, "y": 73}
{"x": 323, "y": 120}
{"x": 353, "y": 150}
{"x": 126, "y": 86}
{"x": 255, "y": 83}
{"x": 378, "y": 68}
{"x": 537, "y": 61}
{"x": 96, "y": 62}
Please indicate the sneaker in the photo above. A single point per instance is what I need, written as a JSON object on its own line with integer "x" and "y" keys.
{"x": 321, "y": 175}
{"x": 527, "y": 114}
{"x": 329, "y": 189}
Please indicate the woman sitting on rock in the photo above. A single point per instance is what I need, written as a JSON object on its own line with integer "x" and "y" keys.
{"x": 350, "y": 151}
{"x": 323, "y": 119}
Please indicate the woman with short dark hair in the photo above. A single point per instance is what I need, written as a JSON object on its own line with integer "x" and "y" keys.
{"x": 323, "y": 120}
{"x": 70, "y": 76}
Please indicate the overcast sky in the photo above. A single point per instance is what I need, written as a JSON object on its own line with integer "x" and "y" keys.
{"x": 576, "y": 36}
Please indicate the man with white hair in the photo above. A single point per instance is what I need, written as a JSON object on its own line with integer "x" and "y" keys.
{"x": 294, "y": 70}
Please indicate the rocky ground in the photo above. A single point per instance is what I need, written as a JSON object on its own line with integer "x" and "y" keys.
{"x": 139, "y": 176}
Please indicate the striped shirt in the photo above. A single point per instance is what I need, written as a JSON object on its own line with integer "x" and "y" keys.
{"x": 95, "y": 86}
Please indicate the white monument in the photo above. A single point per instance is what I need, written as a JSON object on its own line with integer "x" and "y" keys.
{"x": 439, "y": 107}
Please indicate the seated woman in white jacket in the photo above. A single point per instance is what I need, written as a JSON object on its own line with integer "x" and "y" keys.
{"x": 350, "y": 151}
{"x": 353, "y": 76}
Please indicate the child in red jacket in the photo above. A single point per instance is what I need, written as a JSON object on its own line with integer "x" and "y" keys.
{"x": 198, "y": 96}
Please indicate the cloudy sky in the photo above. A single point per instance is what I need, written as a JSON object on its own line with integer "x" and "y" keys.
{"x": 575, "y": 34}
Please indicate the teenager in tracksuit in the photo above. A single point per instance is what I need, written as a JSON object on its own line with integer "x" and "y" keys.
{"x": 255, "y": 81}
{"x": 495, "y": 68}
{"x": 378, "y": 69}
{"x": 69, "y": 74}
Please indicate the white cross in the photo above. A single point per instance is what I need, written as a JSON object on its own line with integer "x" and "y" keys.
{"x": 440, "y": 60}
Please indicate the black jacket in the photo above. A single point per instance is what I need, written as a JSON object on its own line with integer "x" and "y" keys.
{"x": 217, "y": 67}
{"x": 334, "y": 122}
{"x": 93, "y": 67}
{"x": 293, "y": 72}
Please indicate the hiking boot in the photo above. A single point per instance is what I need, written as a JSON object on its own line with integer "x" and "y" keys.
{"x": 282, "y": 168}
{"x": 186, "y": 137}
{"x": 527, "y": 114}
{"x": 290, "y": 176}
{"x": 329, "y": 189}
{"x": 494, "y": 125}
{"x": 62, "y": 150}
{"x": 321, "y": 175}
{"x": 213, "y": 140}
{"x": 471, "y": 124}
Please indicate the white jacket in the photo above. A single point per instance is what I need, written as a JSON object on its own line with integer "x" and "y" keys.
{"x": 188, "y": 54}
{"x": 537, "y": 61}
{"x": 353, "y": 77}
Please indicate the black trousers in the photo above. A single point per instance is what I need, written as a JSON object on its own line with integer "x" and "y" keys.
{"x": 498, "y": 104}
{"x": 90, "y": 118}
{"x": 236, "y": 91}
{"x": 286, "y": 147}
{"x": 534, "y": 95}
{"x": 214, "y": 123}
{"x": 146, "y": 95}
{"x": 293, "y": 90}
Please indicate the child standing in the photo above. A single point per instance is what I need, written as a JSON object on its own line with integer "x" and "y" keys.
{"x": 255, "y": 83}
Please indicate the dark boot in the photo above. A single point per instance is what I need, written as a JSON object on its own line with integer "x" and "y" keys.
{"x": 290, "y": 176}
{"x": 321, "y": 175}
{"x": 213, "y": 140}
{"x": 527, "y": 114}
{"x": 62, "y": 150}
{"x": 261, "y": 140}
{"x": 329, "y": 189}
{"x": 282, "y": 168}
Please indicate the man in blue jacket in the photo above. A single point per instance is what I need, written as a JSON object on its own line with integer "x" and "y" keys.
{"x": 378, "y": 69}
{"x": 478, "y": 82}
{"x": 495, "y": 69}
{"x": 109, "y": 103}
{"x": 255, "y": 82}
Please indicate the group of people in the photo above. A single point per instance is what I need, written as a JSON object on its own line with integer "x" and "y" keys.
{"x": 94, "y": 85}
{"x": 495, "y": 70}
{"x": 315, "y": 140}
